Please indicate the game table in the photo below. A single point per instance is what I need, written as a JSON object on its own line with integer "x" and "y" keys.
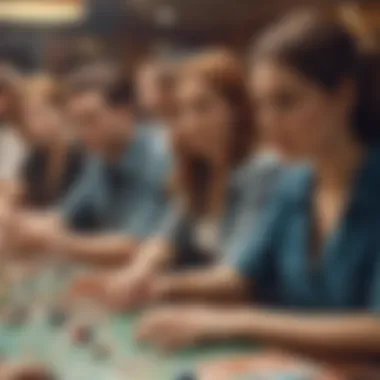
{"x": 28, "y": 331}
{"x": 81, "y": 340}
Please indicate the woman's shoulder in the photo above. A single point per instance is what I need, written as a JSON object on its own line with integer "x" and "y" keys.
{"x": 295, "y": 183}
{"x": 258, "y": 168}
{"x": 10, "y": 134}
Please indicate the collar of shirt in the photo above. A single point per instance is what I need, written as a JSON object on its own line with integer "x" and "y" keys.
{"x": 251, "y": 165}
{"x": 130, "y": 160}
{"x": 367, "y": 185}
{"x": 365, "y": 192}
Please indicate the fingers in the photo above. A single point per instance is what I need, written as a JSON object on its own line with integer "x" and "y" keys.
{"x": 157, "y": 289}
{"x": 152, "y": 326}
{"x": 161, "y": 337}
{"x": 129, "y": 292}
{"x": 123, "y": 299}
{"x": 19, "y": 371}
{"x": 166, "y": 329}
{"x": 89, "y": 286}
{"x": 108, "y": 289}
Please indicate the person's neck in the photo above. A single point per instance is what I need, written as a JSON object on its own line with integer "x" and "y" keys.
{"x": 338, "y": 167}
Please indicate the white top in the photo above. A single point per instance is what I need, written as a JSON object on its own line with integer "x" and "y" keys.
{"x": 12, "y": 153}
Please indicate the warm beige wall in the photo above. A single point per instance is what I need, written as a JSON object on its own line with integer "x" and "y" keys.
{"x": 41, "y": 11}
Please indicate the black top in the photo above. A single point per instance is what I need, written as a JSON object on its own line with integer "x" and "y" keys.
{"x": 39, "y": 192}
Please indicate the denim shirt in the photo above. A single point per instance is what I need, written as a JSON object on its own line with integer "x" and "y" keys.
{"x": 250, "y": 187}
{"x": 128, "y": 196}
{"x": 346, "y": 276}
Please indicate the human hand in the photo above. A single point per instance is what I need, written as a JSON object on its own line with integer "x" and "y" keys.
{"x": 28, "y": 232}
{"x": 121, "y": 290}
{"x": 128, "y": 289}
{"x": 172, "y": 328}
{"x": 89, "y": 286}
{"x": 20, "y": 371}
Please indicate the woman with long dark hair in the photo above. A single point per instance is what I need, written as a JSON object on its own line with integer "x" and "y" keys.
{"x": 314, "y": 263}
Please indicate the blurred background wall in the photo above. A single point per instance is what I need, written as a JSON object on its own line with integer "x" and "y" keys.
{"x": 56, "y": 34}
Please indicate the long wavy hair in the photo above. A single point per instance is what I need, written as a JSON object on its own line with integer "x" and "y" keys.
{"x": 202, "y": 186}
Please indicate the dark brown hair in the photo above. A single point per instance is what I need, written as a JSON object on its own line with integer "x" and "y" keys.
{"x": 204, "y": 187}
{"x": 97, "y": 77}
{"x": 11, "y": 84}
{"x": 326, "y": 53}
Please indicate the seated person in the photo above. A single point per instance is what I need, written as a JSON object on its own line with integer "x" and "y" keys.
{"x": 314, "y": 262}
{"x": 55, "y": 161}
{"x": 120, "y": 195}
{"x": 223, "y": 180}
{"x": 12, "y": 145}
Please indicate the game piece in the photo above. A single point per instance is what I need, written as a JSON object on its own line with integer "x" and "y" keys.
{"x": 83, "y": 334}
{"x": 58, "y": 317}
{"x": 101, "y": 351}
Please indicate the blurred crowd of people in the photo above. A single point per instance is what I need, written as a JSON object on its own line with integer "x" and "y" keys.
{"x": 247, "y": 186}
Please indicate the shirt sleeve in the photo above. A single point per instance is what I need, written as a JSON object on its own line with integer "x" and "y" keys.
{"x": 253, "y": 254}
{"x": 252, "y": 206}
{"x": 13, "y": 154}
{"x": 74, "y": 207}
{"x": 151, "y": 201}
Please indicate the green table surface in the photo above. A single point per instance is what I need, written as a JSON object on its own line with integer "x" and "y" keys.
{"x": 38, "y": 340}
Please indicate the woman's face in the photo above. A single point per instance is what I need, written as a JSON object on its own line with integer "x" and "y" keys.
{"x": 203, "y": 119}
{"x": 301, "y": 118}
{"x": 44, "y": 123}
{"x": 88, "y": 113}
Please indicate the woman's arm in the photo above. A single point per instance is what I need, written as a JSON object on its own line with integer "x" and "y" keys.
{"x": 130, "y": 288}
{"x": 103, "y": 249}
{"x": 334, "y": 333}
{"x": 311, "y": 334}
{"x": 217, "y": 284}
{"x": 246, "y": 246}
{"x": 247, "y": 259}
{"x": 159, "y": 251}
{"x": 155, "y": 255}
